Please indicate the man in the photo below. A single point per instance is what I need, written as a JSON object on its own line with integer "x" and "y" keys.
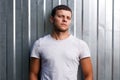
{"x": 56, "y": 56}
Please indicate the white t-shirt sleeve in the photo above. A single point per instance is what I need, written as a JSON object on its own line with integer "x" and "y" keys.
{"x": 35, "y": 50}
{"x": 85, "y": 52}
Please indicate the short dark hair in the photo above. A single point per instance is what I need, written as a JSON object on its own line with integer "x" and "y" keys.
{"x": 60, "y": 7}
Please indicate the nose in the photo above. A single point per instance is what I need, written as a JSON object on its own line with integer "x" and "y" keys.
{"x": 64, "y": 19}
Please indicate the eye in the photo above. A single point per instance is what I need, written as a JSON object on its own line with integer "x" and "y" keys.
{"x": 60, "y": 16}
{"x": 68, "y": 17}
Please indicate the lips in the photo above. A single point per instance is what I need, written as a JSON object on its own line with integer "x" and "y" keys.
{"x": 64, "y": 24}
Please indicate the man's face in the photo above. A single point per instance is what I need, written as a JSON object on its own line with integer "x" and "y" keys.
{"x": 62, "y": 20}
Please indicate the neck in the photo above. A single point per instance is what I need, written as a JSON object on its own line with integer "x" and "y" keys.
{"x": 60, "y": 35}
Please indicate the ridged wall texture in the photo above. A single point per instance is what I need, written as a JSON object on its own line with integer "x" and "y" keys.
{"x": 24, "y": 21}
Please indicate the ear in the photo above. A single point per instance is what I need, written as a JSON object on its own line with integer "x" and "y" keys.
{"x": 51, "y": 19}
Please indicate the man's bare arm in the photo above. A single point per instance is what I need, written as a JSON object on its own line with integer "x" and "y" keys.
{"x": 86, "y": 66}
{"x": 34, "y": 68}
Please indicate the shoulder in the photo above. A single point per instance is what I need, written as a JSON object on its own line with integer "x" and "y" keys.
{"x": 81, "y": 44}
{"x": 42, "y": 40}
{"x": 78, "y": 41}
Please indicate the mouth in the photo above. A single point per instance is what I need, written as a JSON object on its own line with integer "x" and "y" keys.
{"x": 64, "y": 24}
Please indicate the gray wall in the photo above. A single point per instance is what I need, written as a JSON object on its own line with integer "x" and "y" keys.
{"x": 95, "y": 21}
{"x": 14, "y": 47}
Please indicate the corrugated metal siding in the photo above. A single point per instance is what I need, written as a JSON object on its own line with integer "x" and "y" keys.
{"x": 95, "y": 21}
{"x": 14, "y": 48}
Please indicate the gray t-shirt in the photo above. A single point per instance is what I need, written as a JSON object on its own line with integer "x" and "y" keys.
{"x": 60, "y": 58}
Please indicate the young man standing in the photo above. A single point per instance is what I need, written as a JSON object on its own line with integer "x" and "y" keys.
{"x": 57, "y": 56}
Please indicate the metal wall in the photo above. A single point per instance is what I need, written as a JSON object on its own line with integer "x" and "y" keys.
{"x": 14, "y": 47}
{"x": 95, "y": 21}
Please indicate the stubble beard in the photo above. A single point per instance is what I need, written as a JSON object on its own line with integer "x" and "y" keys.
{"x": 60, "y": 30}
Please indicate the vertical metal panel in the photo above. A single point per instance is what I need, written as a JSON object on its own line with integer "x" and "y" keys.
{"x": 34, "y": 21}
{"x": 109, "y": 40}
{"x": 93, "y": 35}
{"x": 14, "y": 40}
{"x": 9, "y": 37}
{"x": 116, "y": 56}
{"x": 48, "y": 8}
{"x": 71, "y": 4}
{"x": 85, "y": 26}
{"x": 3, "y": 40}
{"x": 56, "y": 2}
{"x": 64, "y": 2}
{"x": 79, "y": 18}
{"x": 25, "y": 46}
{"x": 29, "y": 22}
{"x": 101, "y": 39}
{"x": 41, "y": 28}
{"x": 116, "y": 48}
{"x": 18, "y": 40}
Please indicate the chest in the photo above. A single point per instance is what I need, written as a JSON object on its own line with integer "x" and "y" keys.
{"x": 53, "y": 52}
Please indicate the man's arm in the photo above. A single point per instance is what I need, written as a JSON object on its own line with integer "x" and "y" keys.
{"x": 86, "y": 66}
{"x": 34, "y": 68}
